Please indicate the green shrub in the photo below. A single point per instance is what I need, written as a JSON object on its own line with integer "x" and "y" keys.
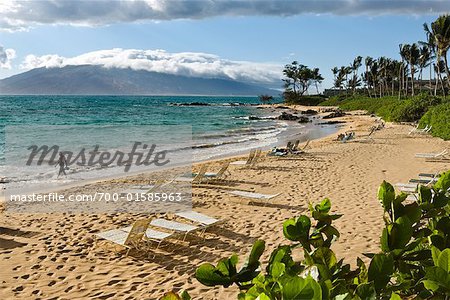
{"x": 439, "y": 118}
{"x": 313, "y": 100}
{"x": 414, "y": 260}
{"x": 390, "y": 108}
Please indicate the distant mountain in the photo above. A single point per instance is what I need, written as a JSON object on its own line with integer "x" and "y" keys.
{"x": 97, "y": 80}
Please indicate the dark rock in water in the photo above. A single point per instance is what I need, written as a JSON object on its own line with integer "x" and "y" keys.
{"x": 309, "y": 112}
{"x": 303, "y": 120}
{"x": 331, "y": 122}
{"x": 282, "y": 107}
{"x": 287, "y": 117}
{"x": 190, "y": 104}
{"x": 335, "y": 114}
{"x": 254, "y": 118}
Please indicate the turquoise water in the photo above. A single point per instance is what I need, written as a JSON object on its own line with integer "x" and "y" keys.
{"x": 226, "y": 126}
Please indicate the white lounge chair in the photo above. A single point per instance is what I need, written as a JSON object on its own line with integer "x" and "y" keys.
{"x": 251, "y": 155}
{"x": 220, "y": 175}
{"x": 423, "y": 130}
{"x": 143, "y": 189}
{"x": 204, "y": 220}
{"x": 153, "y": 235}
{"x": 432, "y": 155}
{"x": 174, "y": 226}
{"x": 254, "y": 196}
{"x": 194, "y": 177}
{"x": 130, "y": 239}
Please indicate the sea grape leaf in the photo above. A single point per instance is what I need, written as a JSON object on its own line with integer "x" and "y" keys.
{"x": 297, "y": 229}
{"x": 386, "y": 194}
{"x": 248, "y": 271}
{"x": 401, "y": 233}
{"x": 443, "y": 260}
{"x": 294, "y": 287}
{"x": 185, "y": 296}
{"x": 263, "y": 296}
{"x": 209, "y": 275}
{"x": 366, "y": 291}
{"x": 257, "y": 251}
{"x": 362, "y": 276}
{"x": 435, "y": 252}
{"x": 277, "y": 269}
{"x": 443, "y": 182}
{"x": 436, "y": 277}
{"x": 324, "y": 206}
{"x": 325, "y": 256}
{"x": 413, "y": 212}
{"x": 444, "y": 225}
{"x": 425, "y": 194}
{"x": 395, "y": 296}
{"x": 380, "y": 269}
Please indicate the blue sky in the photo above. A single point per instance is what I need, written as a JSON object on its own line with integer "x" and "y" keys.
{"x": 317, "y": 40}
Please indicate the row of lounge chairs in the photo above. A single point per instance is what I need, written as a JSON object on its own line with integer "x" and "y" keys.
{"x": 146, "y": 230}
{"x": 291, "y": 148}
{"x": 416, "y": 130}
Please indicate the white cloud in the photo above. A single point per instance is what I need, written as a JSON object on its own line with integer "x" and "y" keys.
{"x": 184, "y": 63}
{"x": 20, "y": 14}
{"x": 6, "y": 55}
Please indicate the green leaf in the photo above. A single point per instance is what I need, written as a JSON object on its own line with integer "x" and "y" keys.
{"x": 413, "y": 212}
{"x": 277, "y": 269}
{"x": 380, "y": 270}
{"x": 185, "y": 296}
{"x": 297, "y": 229}
{"x": 401, "y": 233}
{"x": 366, "y": 291}
{"x": 425, "y": 194}
{"x": 394, "y": 296}
{"x": 386, "y": 195}
{"x": 324, "y": 206}
{"x": 436, "y": 277}
{"x": 263, "y": 297}
{"x": 443, "y": 182}
{"x": 299, "y": 288}
{"x": 324, "y": 256}
{"x": 435, "y": 252}
{"x": 257, "y": 251}
{"x": 443, "y": 260}
{"x": 208, "y": 275}
{"x": 362, "y": 276}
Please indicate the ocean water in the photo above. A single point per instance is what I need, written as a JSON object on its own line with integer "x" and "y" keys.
{"x": 226, "y": 126}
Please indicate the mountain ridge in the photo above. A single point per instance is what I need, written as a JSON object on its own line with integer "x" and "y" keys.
{"x": 98, "y": 80}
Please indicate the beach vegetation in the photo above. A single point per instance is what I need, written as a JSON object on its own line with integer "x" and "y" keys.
{"x": 298, "y": 79}
{"x": 439, "y": 118}
{"x": 265, "y": 99}
{"x": 413, "y": 260}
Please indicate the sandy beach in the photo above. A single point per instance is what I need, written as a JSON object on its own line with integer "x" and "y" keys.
{"x": 56, "y": 256}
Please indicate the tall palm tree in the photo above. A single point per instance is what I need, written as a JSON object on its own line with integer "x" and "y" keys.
{"x": 368, "y": 62}
{"x": 440, "y": 35}
{"x": 424, "y": 61}
{"x": 404, "y": 52}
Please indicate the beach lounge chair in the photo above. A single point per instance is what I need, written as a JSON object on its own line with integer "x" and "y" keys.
{"x": 251, "y": 155}
{"x": 220, "y": 175}
{"x": 130, "y": 238}
{"x": 302, "y": 150}
{"x": 423, "y": 130}
{"x": 195, "y": 178}
{"x": 254, "y": 196}
{"x": 432, "y": 155}
{"x": 204, "y": 220}
{"x": 144, "y": 189}
{"x": 256, "y": 158}
{"x": 174, "y": 226}
{"x": 153, "y": 235}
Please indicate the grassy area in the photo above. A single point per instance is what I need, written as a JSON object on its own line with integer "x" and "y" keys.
{"x": 428, "y": 109}
{"x": 439, "y": 118}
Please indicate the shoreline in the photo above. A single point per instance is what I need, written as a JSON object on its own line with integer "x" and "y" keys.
{"x": 48, "y": 255}
{"x": 241, "y": 154}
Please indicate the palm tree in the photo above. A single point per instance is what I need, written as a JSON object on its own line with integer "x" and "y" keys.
{"x": 440, "y": 35}
{"x": 424, "y": 61}
{"x": 368, "y": 62}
